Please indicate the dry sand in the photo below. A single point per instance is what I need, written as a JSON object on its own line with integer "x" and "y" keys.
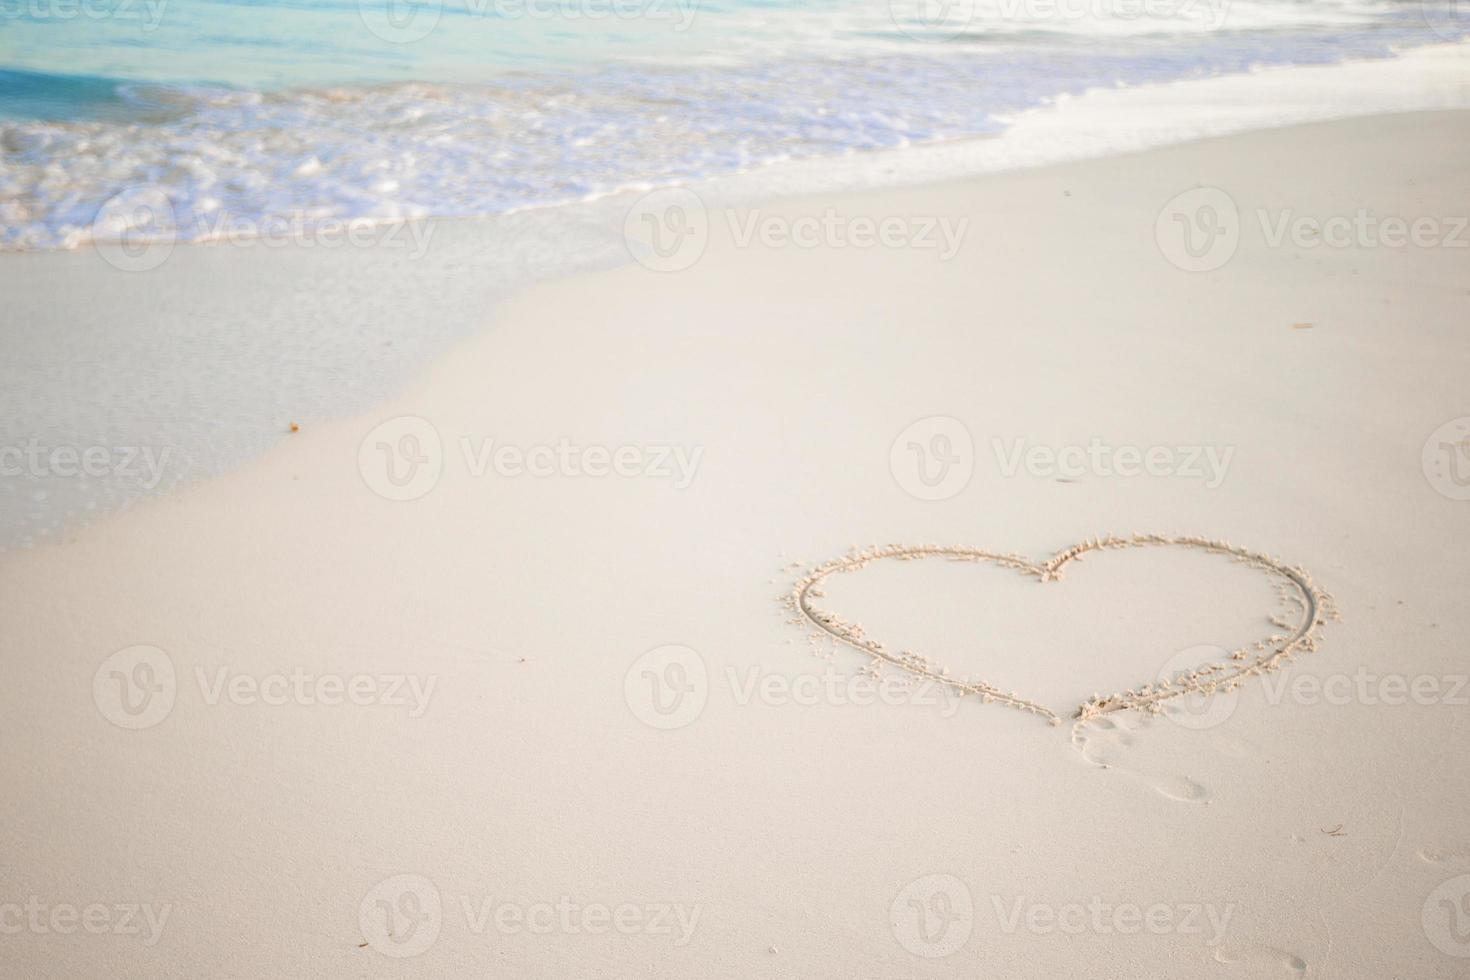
{"x": 595, "y": 699}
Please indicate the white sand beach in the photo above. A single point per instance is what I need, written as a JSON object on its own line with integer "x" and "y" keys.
{"x": 494, "y": 677}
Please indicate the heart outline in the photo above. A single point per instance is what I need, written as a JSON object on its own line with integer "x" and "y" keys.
{"x": 1316, "y": 606}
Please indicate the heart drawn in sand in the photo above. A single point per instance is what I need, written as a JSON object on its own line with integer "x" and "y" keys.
{"x": 1299, "y": 629}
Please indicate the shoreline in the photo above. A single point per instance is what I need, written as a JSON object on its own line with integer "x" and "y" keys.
{"x": 1419, "y": 79}
{"x": 501, "y": 256}
{"x": 1032, "y": 138}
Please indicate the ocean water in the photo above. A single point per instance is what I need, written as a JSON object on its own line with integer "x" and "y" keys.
{"x": 237, "y": 116}
{"x": 238, "y": 111}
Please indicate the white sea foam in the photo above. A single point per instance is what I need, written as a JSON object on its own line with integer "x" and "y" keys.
{"x": 823, "y": 82}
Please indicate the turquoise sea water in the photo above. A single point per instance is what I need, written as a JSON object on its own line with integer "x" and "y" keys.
{"x": 389, "y": 109}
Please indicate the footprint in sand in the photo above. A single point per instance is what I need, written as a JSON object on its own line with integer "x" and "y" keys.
{"x": 1262, "y": 959}
{"x": 1446, "y": 854}
{"x": 1102, "y": 742}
